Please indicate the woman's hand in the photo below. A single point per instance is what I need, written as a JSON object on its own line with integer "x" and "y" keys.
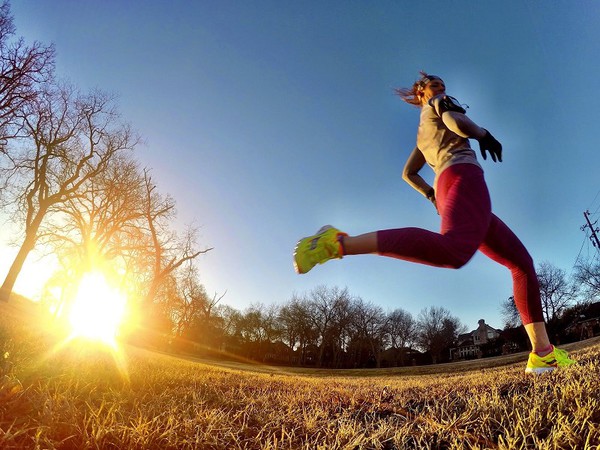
{"x": 431, "y": 198}
{"x": 490, "y": 144}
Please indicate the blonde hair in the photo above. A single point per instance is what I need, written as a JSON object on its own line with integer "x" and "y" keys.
{"x": 413, "y": 95}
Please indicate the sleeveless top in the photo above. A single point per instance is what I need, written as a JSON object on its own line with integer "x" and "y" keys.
{"x": 440, "y": 146}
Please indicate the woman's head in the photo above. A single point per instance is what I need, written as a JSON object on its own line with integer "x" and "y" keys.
{"x": 422, "y": 90}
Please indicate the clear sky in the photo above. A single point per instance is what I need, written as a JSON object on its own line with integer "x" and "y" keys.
{"x": 268, "y": 119}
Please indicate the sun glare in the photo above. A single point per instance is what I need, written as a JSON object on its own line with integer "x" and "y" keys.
{"x": 98, "y": 309}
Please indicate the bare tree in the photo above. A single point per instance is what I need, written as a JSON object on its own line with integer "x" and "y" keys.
{"x": 193, "y": 311}
{"x": 270, "y": 323}
{"x": 402, "y": 330}
{"x": 296, "y": 322}
{"x": 510, "y": 313}
{"x": 371, "y": 323}
{"x": 102, "y": 223}
{"x": 326, "y": 305}
{"x": 341, "y": 333}
{"x": 438, "y": 329}
{"x": 252, "y": 331}
{"x": 289, "y": 325}
{"x": 231, "y": 323}
{"x": 587, "y": 275}
{"x": 556, "y": 291}
{"x": 260, "y": 328}
{"x": 23, "y": 69}
{"x": 191, "y": 302}
{"x": 71, "y": 138}
{"x": 168, "y": 251}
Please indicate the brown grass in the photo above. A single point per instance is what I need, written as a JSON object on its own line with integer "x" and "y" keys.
{"x": 79, "y": 396}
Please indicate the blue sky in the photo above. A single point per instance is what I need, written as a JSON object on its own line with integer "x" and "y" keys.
{"x": 268, "y": 119}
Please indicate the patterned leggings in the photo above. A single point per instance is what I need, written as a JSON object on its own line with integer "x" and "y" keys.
{"x": 468, "y": 225}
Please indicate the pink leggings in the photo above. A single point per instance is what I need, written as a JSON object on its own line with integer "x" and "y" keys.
{"x": 468, "y": 225}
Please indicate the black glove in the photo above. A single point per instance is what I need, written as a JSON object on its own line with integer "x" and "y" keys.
{"x": 489, "y": 143}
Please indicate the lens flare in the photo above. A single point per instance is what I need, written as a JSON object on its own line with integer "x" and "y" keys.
{"x": 98, "y": 309}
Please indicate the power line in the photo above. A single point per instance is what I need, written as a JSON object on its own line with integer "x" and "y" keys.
{"x": 597, "y": 194}
{"x": 593, "y": 201}
{"x": 580, "y": 250}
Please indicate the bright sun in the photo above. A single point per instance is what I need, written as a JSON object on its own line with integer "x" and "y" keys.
{"x": 98, "y": 309}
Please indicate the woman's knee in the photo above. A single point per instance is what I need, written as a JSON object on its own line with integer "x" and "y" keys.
{"x": 460, "y": 259}
{"x": 522, "y": 264}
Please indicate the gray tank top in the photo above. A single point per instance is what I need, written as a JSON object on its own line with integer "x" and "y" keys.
{"x": 441, "y": 147}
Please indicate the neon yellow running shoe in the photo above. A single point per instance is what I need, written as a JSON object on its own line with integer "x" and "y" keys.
{"x": 317, "y": 249}
{"x": 553, "y": 360}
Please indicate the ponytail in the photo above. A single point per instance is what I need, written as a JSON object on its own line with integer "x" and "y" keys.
{"x": 413, "y": 95}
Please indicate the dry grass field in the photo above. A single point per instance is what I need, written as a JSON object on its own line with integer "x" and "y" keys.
{"x": 77, "y": 395}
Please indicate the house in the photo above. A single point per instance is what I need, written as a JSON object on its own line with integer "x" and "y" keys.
{"x": 587, "y": 324}
{"x": 398, "y": 357}
{"x": 470, "y": 344}
{"x": 278, "y": 353}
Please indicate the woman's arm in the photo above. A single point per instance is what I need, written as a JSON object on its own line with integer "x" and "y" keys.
{"x": 410, "y": 174}
{"x": 462, "y": 125}
{"x": 465, "y": 127}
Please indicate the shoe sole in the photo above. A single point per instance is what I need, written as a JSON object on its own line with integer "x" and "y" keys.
{"x": 296, "y": 265}
{"x": 540, "y": 370}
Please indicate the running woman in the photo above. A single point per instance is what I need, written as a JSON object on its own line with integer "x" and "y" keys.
{"x": 462, "y": 200}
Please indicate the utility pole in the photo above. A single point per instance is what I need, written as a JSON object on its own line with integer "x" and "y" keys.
{"x": 590, "y": 225}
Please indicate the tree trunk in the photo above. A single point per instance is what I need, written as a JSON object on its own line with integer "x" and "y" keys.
{"x": 15, "y": 269}
{"x": 376, "y": 354}
{"x": 152, "y": 291}
{"x": 321, "y": 354}
{"x": 31, "y": 236}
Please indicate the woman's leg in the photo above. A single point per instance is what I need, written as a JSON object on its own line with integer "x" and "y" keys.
{"x": 504, "y": 247}
{"x": 360, "y": 245}
{"x": 464, "y": 207}
{"x": 538, "y": 336}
